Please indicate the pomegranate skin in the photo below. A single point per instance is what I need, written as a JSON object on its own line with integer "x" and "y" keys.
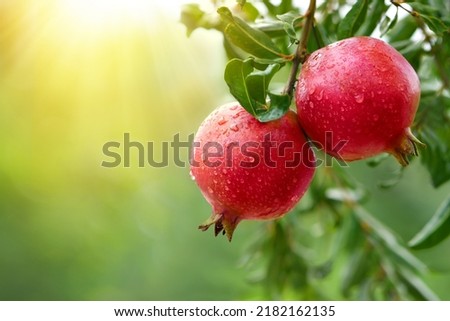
{"x": 254, "y": 177}
{"x": 357, "y": 98}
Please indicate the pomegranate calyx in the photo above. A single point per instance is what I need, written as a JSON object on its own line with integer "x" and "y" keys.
{"x": 223, "y": 222}
{"x": 405, "y": 147}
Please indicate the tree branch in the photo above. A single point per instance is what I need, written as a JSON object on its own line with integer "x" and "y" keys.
{"x": 301, "y": 52}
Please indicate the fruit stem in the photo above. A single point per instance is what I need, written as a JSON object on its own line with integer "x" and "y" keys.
{"x": 301, "y": 51}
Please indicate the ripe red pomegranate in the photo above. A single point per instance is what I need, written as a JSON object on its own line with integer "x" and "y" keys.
{"x": 357, "y": 98}
{"x": 247, "y": 169}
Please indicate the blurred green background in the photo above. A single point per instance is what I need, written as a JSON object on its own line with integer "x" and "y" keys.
{"x": 75, "y": 74}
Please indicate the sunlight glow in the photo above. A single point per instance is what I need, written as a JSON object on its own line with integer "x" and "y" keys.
{"x": 102, "y": 15}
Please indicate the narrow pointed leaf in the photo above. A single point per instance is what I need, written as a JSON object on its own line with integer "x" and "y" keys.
{"x": 375, "y": 11}
{"x": 437, "y": 25}
{"x": 403, "y": 30}
{"x": 353, "y": 20}
{"x": 433, "y": 17}
{"x": 434, "y": 131}
{"x": 384, "y": 28}
{"x": 389, "y": 241}
{"x": 251, "y": 40}
{"x": 436, "y": 230}
{"x": 356, "y": 270}
{"x": 416, "y": 286}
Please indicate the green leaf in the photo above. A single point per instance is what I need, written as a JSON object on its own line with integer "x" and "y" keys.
{"x": 385, "y": 27}
{"x": 437, "y": 25}
{"x": 258, "y": 82}
{"x": 251, "y": 40}
{"x": 436, "y": 156}
{"x": 403, "y": 30}
{"x": 386, "y": 239}
{"x": 230, "y": 50}
{"x": 416, "y": 286}
{"x": 413, "y": 53}
{"x": 249, "y": 85}
{"x": 435, "y": 231}
{"x": 320, "y": 36}
{"x": 191, "y": 17}
{"x": 356, "y": 270}
{"x": 375, "y": 11}
{"x": 279, "y": 8}
{"x": 432, "y": 17}
{"x": 353, "y": 20}
{"x": 391, "y": 272}
{"x": 289, "y": 20}
{"x": 279, "y": 105}
{"x": 236, "y": 73}
{"x": 422, "y": 8}
{"x": 250, "y": 11}
{"x": 271, "y": 28}
{"x": 433, "y": 129}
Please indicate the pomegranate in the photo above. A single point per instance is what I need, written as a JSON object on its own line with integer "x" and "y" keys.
{"x": 247, "y": 169}
{"x": 357, "y": 98}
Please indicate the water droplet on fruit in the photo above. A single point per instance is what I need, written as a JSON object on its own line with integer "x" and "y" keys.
{"x": 239, "y": 113}
{"x": 311, "y": 104}
{"x": 376, "y": 117}
{"x": 242, "y": 181}
{"x": 359, "y": 98}
{"x": 227, "y": 188}
{"x": 210, "y": 190}
{"x": 234, "y": 127}
{"x": 312, "y": 89}
{"x": 319, "y": 95}
{"x": 313, "y": 62}
{"x": 192, "y": 175}
{"x": 224, "y": 171}
{"x": 222, "y": 121}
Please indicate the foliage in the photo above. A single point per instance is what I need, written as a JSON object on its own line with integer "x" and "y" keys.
{"x": 262, "y": 40}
